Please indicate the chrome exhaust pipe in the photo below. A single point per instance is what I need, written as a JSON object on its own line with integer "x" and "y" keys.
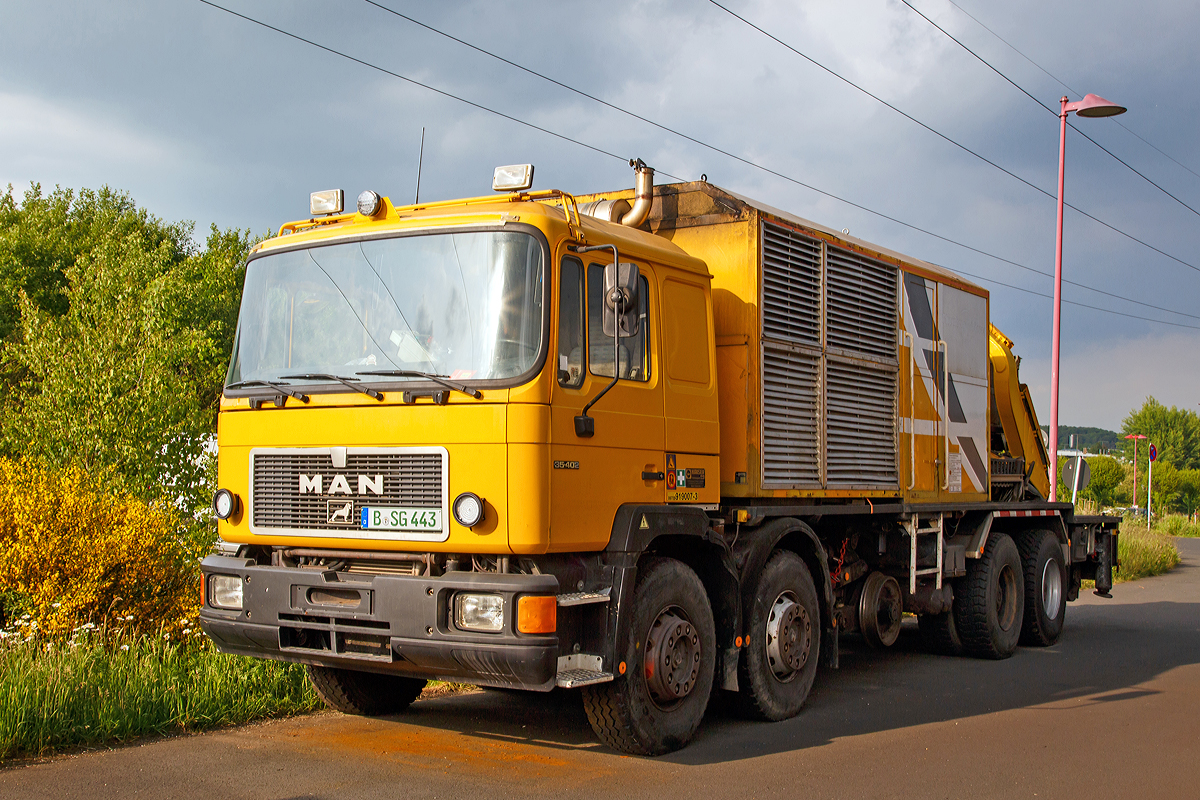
{"x": 643, "y": 195}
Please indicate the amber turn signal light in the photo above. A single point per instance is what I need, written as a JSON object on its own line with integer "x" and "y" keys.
{"x": 537, "y": 614}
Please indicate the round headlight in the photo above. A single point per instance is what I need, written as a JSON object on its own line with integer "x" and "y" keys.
{"x": 225, "y": 504}
{"x": 368, "y": 203}
{"x": 468, "y": 509}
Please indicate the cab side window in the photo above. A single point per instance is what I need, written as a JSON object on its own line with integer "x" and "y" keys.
{"x": 570, "y": 325}
{"x": 634, "y": 358}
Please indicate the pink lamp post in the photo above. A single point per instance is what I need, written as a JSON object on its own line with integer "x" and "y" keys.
{"x": 1090, "y": 106}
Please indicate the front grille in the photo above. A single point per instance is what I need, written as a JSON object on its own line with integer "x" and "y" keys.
{"x": 411, "y": 479}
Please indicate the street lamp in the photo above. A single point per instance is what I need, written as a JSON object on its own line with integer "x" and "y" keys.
{"x": 1090, "y": 106}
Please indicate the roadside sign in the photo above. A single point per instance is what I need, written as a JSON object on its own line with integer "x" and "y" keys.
{"x": 1153, "y": 452}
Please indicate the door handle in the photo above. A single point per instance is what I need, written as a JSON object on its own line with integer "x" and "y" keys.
{"x": 654, "y": 476}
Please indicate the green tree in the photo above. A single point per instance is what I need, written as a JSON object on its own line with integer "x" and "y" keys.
{"x": 1175, "y": 432}
{"x": 1188, "y": 497}
{"x": 121, "y": 370}
{"x": 1107, "y": 475}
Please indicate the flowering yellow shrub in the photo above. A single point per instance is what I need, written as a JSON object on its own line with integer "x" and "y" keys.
{"x": 73, "y": 552}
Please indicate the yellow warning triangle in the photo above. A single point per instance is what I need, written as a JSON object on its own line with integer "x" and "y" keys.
{"x": 644, "y": 526}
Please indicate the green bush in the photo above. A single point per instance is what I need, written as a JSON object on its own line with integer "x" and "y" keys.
{"x": 1144, "y": 553}
{"x": 1176, "y": 525}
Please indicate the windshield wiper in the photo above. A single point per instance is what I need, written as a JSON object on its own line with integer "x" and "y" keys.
{"x": 324, "y": 376}
{"x": 281, "y": 388}
{"x": 439, "y": 379}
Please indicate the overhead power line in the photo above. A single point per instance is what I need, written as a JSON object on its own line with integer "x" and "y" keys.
{"x": 602, "y": 151}
{"x": 726, "y": 153}
{"x": 1033, "y": 186}
{"x": 1064, "y": 84}
{"x": 1020, "y": 88}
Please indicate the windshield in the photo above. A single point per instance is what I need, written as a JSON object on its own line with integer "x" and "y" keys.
{"x": 465, "y": 305}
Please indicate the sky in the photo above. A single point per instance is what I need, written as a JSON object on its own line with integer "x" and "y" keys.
{"x": 203, "y": 116}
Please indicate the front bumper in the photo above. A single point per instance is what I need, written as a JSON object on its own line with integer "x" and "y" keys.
{"x": 395, "y": 624}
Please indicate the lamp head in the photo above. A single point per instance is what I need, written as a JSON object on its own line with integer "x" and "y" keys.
{"x": 1093, "y": 105}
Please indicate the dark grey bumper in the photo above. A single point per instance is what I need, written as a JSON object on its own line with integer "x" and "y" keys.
{"x": 393, "y": 624}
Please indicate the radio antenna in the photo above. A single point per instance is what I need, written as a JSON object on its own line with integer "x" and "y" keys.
{"x": 420, "y": 159}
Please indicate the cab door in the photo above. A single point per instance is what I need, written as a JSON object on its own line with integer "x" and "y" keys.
{"x": 592, "y": 476}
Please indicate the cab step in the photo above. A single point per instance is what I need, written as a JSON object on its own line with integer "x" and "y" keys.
{"x": 580, "y": 669}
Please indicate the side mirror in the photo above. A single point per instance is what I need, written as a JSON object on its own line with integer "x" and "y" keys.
{"x": 621, "y": 300}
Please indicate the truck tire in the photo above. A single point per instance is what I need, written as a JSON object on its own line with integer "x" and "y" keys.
{"x": 669, "y": 655}
{"x": 990, "y": 609}
{"x": 1045, "y": 588}
{"x": 365, "y": 694}
{"x": 940, "y": 633}
{"x": 777, "y": 669}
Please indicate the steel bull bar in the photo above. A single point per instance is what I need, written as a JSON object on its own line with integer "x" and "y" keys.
{"x": 393, "y": 624}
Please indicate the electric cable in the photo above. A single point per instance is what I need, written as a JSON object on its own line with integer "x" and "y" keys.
{"x": 738, "y": 158}
{"x": 984, "y": 61}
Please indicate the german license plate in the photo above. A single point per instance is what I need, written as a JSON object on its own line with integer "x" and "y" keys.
{"x": 402, "y": 519}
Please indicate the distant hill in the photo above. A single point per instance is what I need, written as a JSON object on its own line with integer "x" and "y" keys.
{"x": 1094, "y": 440}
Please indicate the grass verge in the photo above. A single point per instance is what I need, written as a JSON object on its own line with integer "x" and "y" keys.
{"x": 1176, "y": 525}
{"x": 1144, "y": 553}
{"x": 59, "y": 695}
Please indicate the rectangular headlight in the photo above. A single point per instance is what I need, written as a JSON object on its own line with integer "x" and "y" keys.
{"x": 226, "y": 591}
{"x": 479, "y": 612}
{"x": 330, "y": 201}
{"x": 513, "y": 178}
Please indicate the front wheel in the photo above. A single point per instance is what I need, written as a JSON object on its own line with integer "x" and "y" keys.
{"x": 667, "y": 661}
{"x": 366, "y": 694}
{"x": 1045, "y": 588}
{"x": 777, "y": 669}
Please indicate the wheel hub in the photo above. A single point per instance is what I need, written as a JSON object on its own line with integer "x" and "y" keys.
{"x": 672, "y": 658}
{"x": 789, "y": 637}
{"x": 1051, "y": 589}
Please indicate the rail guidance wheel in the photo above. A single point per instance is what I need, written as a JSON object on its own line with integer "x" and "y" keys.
{"x": 366, "y": 694}
{"x": 670, "y": 651}
{"x": 880, "y": 610}
{"x": 990, "y": 609}
{"x": 777, "y": 669}
{"x": 1045, "y": 588}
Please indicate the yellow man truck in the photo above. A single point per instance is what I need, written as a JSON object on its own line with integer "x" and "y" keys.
{"x": 650, "y": 444}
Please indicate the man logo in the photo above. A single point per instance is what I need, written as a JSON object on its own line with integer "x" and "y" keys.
{"x": 339, "y": 485}
{"x": 340, "y": 513}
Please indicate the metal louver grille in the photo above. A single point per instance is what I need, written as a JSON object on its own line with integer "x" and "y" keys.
{"x": 791, "y": 409}
{"x": 860, "y": 425}
{"x": 861, "y": 304}
{"x": 791, "y": 286}
{"x": 410, "y": 479}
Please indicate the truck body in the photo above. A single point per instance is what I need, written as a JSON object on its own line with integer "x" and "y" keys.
{"x": 649, "y": 444}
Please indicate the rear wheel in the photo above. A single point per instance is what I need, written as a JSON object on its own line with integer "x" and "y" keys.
{"x": 777, "y": 669}
{"x": 990, "y": 608}
{"x": 364, "y": 693}
{"x": 669, "y": 653}
{"x": 1045, "y": 588}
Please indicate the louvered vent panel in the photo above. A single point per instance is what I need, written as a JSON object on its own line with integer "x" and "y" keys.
{"x": 791, "y": 407}
{"x": 860, "y": 425}
{"x": 861, "y": 304}
{"x": 411, "y": 480}
{"x": 791, "y": 286}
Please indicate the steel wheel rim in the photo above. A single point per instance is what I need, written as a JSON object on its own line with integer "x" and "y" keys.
{"x": 788, "y": 637}
{"x": 1006, "y": 598}
{"x": 1051, "y": 589}
{"x": 672, "y": 658}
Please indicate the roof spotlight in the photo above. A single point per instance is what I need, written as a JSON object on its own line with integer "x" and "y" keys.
{"x": 368, "y": 203}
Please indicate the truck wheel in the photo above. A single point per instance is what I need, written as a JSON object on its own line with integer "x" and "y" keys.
{"x": 780, "y": 661}
{"x": 669, "y": 651}
{"x": 991, "y": 607}
{"x": 366, "y": 694}
{"x": 880, "y": 610}
{"x": 940, "y": 633}
{"x": 1045, "y": 588}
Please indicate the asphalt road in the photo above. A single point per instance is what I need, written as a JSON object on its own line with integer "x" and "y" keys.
{"x": 1113, "y": 710}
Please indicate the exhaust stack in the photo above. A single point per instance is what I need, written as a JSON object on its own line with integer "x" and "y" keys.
{"x": 620, "y": 210}
{"x": 643, "y": 195}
